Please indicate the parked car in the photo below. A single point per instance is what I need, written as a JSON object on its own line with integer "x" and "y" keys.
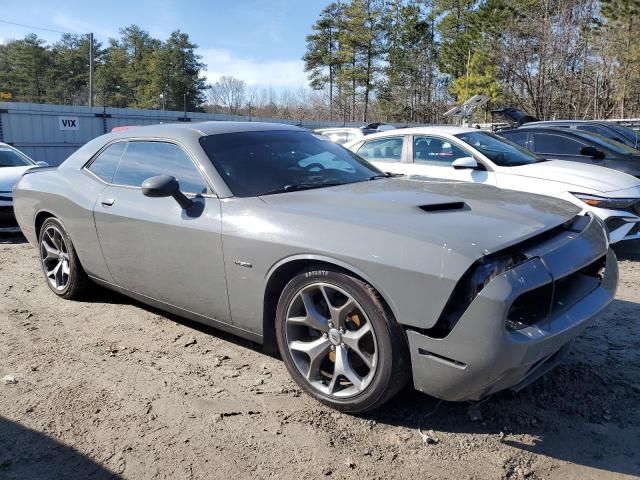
{"x": 13, "y": 163}
{"x": 513, "y": 116}
{"x": 281, "y": 236}
{"x": 342, "y": 135}
{"x": 576, "y": 146}
{"x": 471, "y": 155}
{"x": 610, "y": 130}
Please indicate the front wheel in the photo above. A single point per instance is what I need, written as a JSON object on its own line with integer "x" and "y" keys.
{"x": 339, "y": 342}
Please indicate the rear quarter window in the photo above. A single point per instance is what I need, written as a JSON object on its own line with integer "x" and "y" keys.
{"x": 105, "y": 164}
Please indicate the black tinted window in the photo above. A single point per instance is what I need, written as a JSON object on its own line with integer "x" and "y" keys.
{"x": 516, "y": 137}
{"x": 255, "y": 163}
{"x": 556, "y": 144}
{"x": 104, "y": 165}
{"x": 142, "y": 160}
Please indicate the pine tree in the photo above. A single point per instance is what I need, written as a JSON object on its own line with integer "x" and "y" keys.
{"x": 321, "y": 58}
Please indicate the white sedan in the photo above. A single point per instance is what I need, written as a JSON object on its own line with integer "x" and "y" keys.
{"x": 472, "y": 155}
{"x": 13, "y": 163}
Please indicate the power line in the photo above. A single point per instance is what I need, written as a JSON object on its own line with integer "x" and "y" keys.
{"x": 31, "y": 26}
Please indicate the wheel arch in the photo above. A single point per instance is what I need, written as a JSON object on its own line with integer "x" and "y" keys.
{"x": 283, "y": 271}
{"x": 39, "y": 220}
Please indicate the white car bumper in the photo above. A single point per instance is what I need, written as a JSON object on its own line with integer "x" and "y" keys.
{"x": 623, "y": 225}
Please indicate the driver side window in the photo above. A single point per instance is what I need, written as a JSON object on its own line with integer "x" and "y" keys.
{"x": 142, "y": 160}
{"x": 435, "y": 151}
{"x": 551, "y": 144}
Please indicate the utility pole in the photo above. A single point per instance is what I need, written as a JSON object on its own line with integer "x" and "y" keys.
{"x": 91, "y": 69}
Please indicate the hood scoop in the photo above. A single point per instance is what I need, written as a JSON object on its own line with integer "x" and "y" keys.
{"x": 444, "y": 207}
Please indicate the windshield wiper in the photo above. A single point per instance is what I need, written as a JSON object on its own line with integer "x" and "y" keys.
{"x": 296, "y": 187}
{"x": 386, "y": 175}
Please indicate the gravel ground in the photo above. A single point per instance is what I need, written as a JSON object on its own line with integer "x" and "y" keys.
{"x": 109, "y": 388}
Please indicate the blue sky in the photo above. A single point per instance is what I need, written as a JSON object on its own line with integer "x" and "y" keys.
{"x": 260, "y": 41}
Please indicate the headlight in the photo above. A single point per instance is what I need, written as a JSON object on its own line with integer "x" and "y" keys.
{"x": 603, "y": 202}
{"x": 487, "y": 271}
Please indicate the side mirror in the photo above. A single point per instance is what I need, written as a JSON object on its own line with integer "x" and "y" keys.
{"x": 165, "y": 186}
{"x": 42, "y": 164}
{"x": 465, "y": 162}
{"x": 592, "y": 152}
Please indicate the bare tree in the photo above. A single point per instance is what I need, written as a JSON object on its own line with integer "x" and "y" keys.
{"x": 230, "y": 93}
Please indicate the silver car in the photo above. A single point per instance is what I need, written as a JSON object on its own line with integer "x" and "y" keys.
{"x": 363, "y": 281}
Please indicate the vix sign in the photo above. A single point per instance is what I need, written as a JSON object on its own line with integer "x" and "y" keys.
{"x": 68, "y": 123}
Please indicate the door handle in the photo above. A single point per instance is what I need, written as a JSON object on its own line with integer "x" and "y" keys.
{"x": 107, "y": 202}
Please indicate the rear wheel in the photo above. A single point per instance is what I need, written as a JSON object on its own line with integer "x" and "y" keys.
{"x": 339, "y": 342}
{"x": 60, "y": 265}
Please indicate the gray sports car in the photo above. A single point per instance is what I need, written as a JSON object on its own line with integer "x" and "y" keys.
{"x": 363, "y": 281}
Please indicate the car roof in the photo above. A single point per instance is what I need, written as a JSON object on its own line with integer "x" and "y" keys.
{"x": 434, "y": 130}
{"x": 201, "y": 128}
{"x": 567, "y": 122}
{"x": 550, "y": 128}
{"x": 338, "y": 129}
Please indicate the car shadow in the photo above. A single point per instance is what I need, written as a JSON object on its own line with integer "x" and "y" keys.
{"x": 629, "y": 250}
{"x": 585, "y": 411}
{"x": 99, "y": 294}
{"x": 12, "y": 238}
{"x": 28, "y": 454}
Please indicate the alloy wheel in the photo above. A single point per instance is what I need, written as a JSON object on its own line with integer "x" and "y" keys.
{"x": 55, "y": 258}
{"x": 331, "y": 340}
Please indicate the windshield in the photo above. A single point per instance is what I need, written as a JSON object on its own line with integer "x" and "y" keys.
{"x": 500, "y": 151}
{"x": 260, "y": 163}
{"x": 10, "y": 157}
{"x": 609, "y": 143}
{"x": 628, "y": 133}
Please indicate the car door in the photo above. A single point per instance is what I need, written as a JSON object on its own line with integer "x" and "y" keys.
{"x": 433, "y": 156}
{"x": 154, "y": 247}
{"x": 561, "y": 147}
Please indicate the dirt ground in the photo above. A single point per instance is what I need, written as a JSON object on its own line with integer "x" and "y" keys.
{"x": 109, "y": 388}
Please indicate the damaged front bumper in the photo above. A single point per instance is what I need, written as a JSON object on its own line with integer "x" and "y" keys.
{"x": 522, "y": 322}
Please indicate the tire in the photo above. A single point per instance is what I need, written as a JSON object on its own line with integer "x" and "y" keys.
{"x": 355, "y": 369}
{"x": 56, "y": 248}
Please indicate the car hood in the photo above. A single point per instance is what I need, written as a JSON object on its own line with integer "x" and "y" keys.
{"x": 576, "y": 174}
{"x": 490, "y": 218}
{"x": 9, "y": 176}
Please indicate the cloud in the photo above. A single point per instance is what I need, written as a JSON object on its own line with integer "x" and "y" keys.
{"x": 274, "y": 73}
{"x": 75, "y": 25}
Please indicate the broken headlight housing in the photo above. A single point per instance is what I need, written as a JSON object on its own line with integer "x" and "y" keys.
{"x": 488, "y": 270}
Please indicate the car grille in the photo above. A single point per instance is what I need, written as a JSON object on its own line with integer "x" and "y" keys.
{"x": 7, "y": 217}
{"x": 539, "y": 304}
